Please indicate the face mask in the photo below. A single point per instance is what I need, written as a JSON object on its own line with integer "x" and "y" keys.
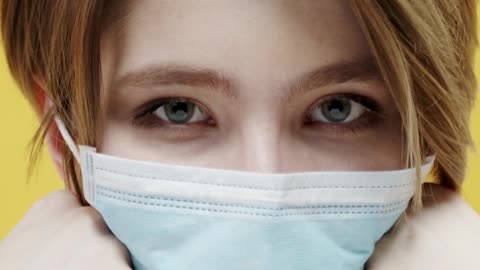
{"x": 181, "y": 217}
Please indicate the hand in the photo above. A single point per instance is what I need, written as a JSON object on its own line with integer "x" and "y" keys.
{"x": 444, "y": 235}
{"x": 58, "y": 233}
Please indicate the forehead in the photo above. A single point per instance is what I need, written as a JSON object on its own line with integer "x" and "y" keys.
{"x": 259, "y": 40}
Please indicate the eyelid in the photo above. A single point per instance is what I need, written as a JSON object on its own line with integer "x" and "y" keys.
{"x": 145, "y": 117}
{"x": 373, "y": 114}
{"x": 365, "y": 101}
{"x": 151, "y": 106}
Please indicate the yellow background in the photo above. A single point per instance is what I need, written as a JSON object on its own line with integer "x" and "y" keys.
{"x": 18, "y": 124}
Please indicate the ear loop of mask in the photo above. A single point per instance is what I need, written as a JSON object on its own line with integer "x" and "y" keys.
{"x": 67, "y": 138}
{"x": 65, "y": 134}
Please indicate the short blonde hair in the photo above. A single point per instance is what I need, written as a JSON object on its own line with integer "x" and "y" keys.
{"x": 424, "y": 50}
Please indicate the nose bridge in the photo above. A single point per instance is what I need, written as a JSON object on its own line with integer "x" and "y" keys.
{"x": 261, "y": 143}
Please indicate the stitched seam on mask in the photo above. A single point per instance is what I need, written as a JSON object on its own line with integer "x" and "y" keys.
{"x": 160, "y": 198}
{"x": 259, "y": 188}
{"x": 252, "y": 213}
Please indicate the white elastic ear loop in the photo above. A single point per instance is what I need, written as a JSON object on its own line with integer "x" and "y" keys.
{"x": 68, "y": 139}
{"x": 427, "y": 167}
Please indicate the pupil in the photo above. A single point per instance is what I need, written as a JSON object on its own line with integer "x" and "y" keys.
{"x": 179, "y": 111}
{"x": 336, "y": 109}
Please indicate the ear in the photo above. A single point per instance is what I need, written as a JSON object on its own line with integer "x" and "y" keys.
{"x": 53, "y": 140}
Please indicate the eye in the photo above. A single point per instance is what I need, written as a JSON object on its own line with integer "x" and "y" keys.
{"x": 340, "y": 109}
{"x": 179, "y": 111}
{"x": 172, "y": 112}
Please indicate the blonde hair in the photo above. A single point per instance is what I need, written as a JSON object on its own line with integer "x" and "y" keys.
{"x": 424, "y": 50}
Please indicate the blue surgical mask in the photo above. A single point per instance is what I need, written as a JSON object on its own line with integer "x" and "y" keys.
{"x": 182, "y": 218}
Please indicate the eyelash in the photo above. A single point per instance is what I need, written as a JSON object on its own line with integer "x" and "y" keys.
{"x": 146, "y": 119}
{"x": 373, "y": 113}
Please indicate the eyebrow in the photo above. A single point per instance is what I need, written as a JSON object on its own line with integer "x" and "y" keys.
{"x": 362, "y": 69}
{"x": 169, "y": 74}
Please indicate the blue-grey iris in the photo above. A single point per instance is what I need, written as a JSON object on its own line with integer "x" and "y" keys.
{"x": 179, "y": 111}
{"x": 336, "y": 109}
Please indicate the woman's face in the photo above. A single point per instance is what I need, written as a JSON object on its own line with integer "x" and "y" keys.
{"x": 271, "y": 86}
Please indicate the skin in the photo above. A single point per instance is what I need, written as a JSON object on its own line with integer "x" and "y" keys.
{"x": 43, "y": 238}
{"x": 443, "y": 235}
{"x": 263, "y": 46}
